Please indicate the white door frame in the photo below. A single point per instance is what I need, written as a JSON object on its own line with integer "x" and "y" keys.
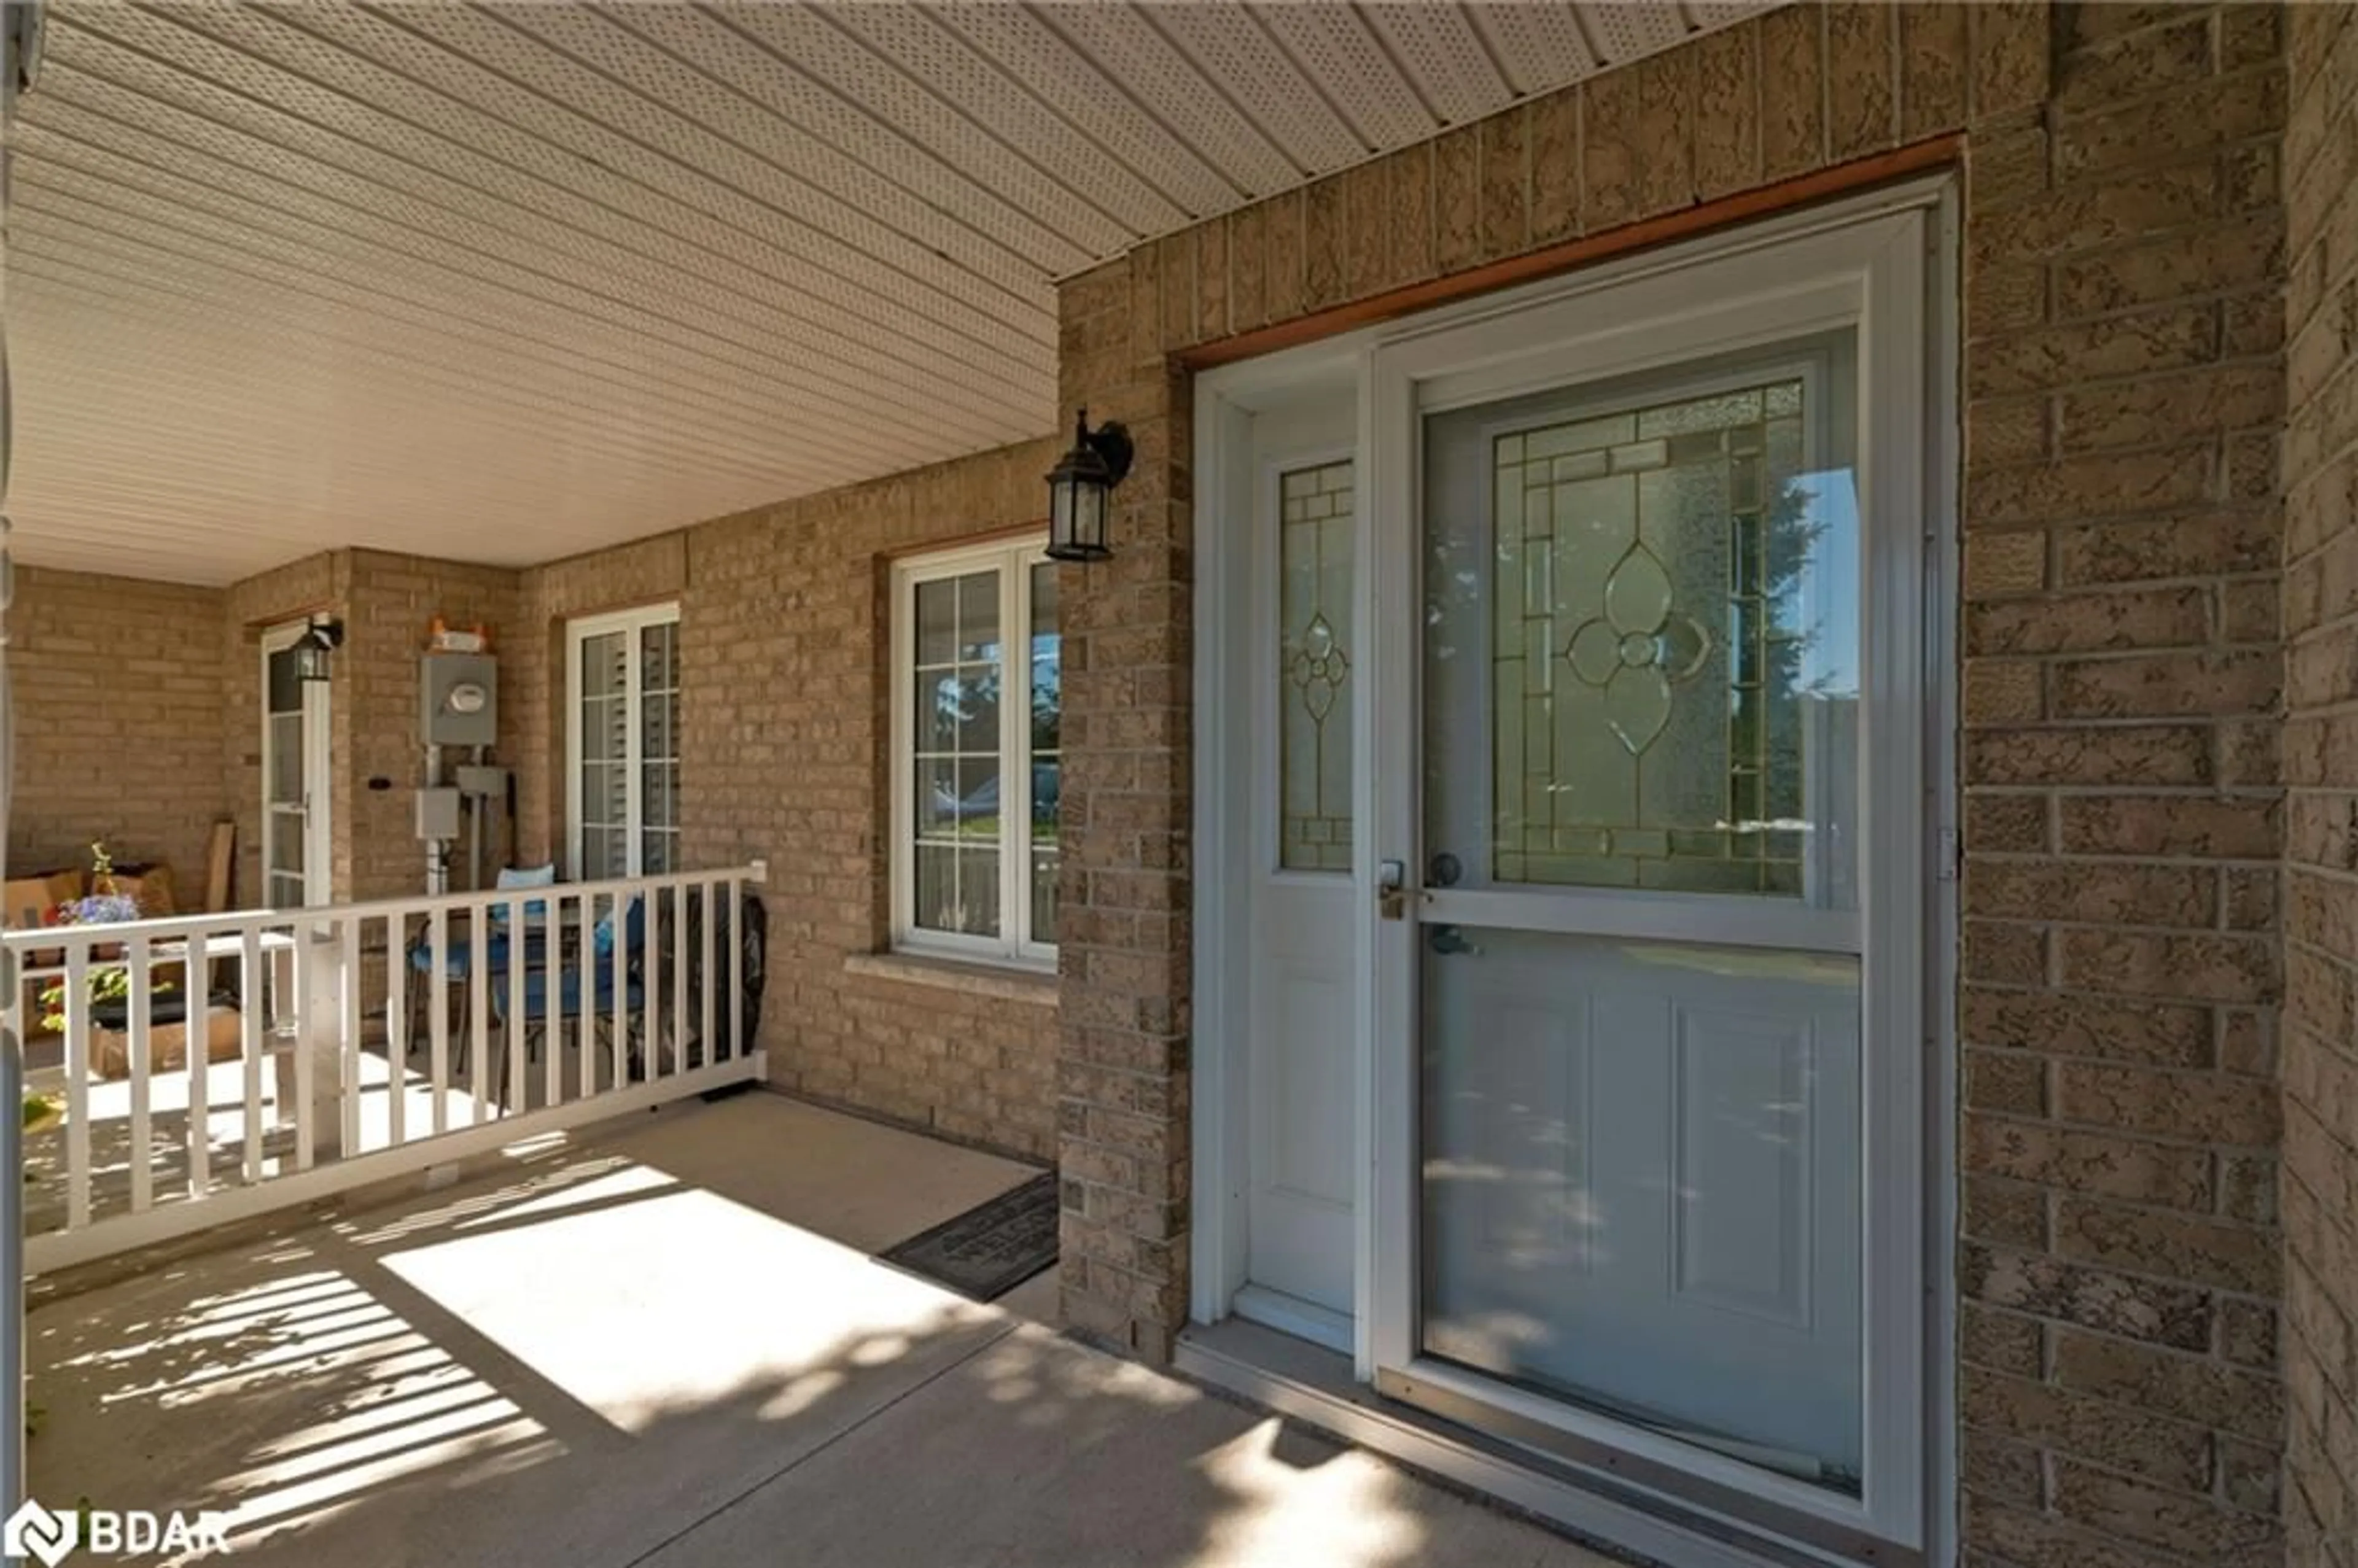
{"x": 1910, "y": 306}
{"x": 578, "y": 630}
{"x": 319, "y": 788}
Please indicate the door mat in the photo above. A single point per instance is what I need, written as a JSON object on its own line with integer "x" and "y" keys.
{"x": 990, "y": 1248}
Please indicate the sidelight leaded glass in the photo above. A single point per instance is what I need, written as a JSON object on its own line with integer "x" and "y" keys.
{"x": 1314, "y": 654}
{"x": 1649, "y": 716}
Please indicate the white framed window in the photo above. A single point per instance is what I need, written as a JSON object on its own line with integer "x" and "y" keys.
{"x": 622, "y": 742}
{"x": 978, "y": 704}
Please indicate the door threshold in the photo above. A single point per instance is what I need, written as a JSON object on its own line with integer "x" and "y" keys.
{"x": 1291, "y": 1315}
{"x": 1312, "y": 1384}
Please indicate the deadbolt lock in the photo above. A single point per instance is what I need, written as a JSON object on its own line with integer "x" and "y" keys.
{"x": 1392, "y": 890}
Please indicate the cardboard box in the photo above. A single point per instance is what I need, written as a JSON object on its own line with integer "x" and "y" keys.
{"x": 167, "y": 1045}
{"x": 150, "y": 887}
{"x": 26, "y": 903}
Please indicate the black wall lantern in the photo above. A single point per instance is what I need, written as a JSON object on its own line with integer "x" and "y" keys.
{"x": 319, "y": 639}
{"x": 1079, "y": 488}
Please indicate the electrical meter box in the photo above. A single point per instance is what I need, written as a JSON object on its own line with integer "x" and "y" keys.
{"x": 458, "y": 700}
{"x": 437, "y": 813}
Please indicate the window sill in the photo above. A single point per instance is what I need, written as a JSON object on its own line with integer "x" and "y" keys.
{"x": 1006, "y": 983}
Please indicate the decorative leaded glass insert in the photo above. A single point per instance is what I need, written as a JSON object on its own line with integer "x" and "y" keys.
{"x": 1651, "y": 703}
{"x": 1314, "y": 657}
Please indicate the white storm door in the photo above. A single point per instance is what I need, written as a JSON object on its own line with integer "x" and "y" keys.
{"x": 1649, "y": 756}
{"x": 1301, "y": 1007}
{"x": 298, "y": 847}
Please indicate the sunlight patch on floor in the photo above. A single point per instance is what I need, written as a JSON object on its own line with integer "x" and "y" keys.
{"x": 631, "y": 1276}
{"x": 1340, "y": 1513}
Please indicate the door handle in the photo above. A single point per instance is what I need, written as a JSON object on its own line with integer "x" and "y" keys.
{"x": 1392, "y": 890}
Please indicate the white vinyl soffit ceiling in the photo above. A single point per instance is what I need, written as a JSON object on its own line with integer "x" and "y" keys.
{"x": 507, "y": 282}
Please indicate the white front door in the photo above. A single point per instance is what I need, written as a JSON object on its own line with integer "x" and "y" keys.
{"x": 297, "y": 868}
{"x": 1650, "y": 717}
{"x": 1301, "y": 687}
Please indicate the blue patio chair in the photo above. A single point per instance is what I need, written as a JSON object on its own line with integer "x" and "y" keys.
{"x": 459, "y": 956}
{"x": 541, "y": 1011}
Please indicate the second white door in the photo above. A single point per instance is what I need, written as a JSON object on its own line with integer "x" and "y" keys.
{"x": 1298, "y": 1254}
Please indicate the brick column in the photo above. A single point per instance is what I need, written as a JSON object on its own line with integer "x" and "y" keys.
{"x": 2320, "y": 609}
{"x": 1121, "y": 1078}
{"x": 2120, "y": 1260}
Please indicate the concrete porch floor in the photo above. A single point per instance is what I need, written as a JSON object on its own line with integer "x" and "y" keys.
{"x": 666, "y": 1345}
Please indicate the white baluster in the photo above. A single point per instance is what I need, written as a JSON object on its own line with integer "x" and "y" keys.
{"x": 396, "y": 1029}
{"x": 199, "y": 1132}
{"x": 708, "y": 907}
{"x": 478, "y": 1009}
{"x": 136, "y": 958}
{"x": 585, "y": 972}
{"x": 680, "y": 976}
{"x": 515, "y": 1089}
{"x": 309, "y": 1026}
{"x": 348, "y": 1102}
{"x": 437, "y": 1017}
{"x": 552, "y": 999}
{"x": 78, "y": 1069}
{"x": 255, "y": 1039}
{"x": 624, "y": 907}
{"x": 738, "y": 1044}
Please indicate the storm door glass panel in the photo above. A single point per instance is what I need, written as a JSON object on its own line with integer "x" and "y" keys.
{"x": 960, "y": 670}
{"x": 1047, "y": 749}
{"x": 1641, "y": 677}
{"x": 1314, "y": 651}
{"x": 659, "y": 747}
{"x": 1673, "y": 689}
{"x": 286, "y": 803}
{"x": 605, "y": 721}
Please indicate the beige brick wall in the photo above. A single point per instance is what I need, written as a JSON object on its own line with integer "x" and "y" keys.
{"x": 2124, "y": 381}
{"x": 389, "y": 602}
{"x": 648, "y": 571}
{"x": 784, "y": 725}
{"x": 118, "y": 694}
{"x": 2320, "y": 609}
{"x": 386, "y": 601}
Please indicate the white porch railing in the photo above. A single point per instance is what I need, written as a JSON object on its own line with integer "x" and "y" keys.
{"x": 215, "y": 1066}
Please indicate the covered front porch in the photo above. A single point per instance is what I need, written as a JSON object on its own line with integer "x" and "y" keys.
{"x": 666, "y": 1341}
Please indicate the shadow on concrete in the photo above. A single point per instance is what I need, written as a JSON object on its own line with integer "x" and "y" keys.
{"x": 639, "y": 1352}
